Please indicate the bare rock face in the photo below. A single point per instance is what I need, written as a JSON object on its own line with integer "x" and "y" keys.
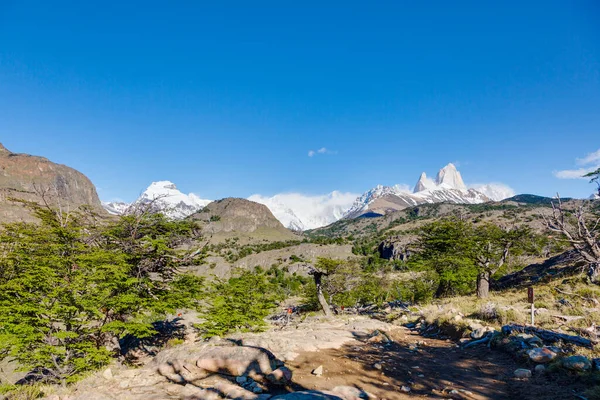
{"x": 395, "y": 249}
{"x": 238, "y": 215}
{"x": 33, "y": 178}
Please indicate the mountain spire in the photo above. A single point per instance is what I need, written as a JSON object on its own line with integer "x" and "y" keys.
{"x": 450, "y": 178}
{"x": 423, "y": 183}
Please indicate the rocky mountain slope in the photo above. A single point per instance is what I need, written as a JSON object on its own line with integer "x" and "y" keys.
{"x": 235, "y": 217}
{"x": 448, "y": 187}
{"x": 164, "y": 196}
{"x": 34, "y": 178}
{"x": 300, "y": 212}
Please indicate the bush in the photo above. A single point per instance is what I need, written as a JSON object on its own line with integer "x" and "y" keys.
{"x": 240, "y": 303}
{"x": 67, "y": 287}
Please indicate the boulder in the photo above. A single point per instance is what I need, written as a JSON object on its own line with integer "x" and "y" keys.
{"x": 522, "y": 373}
{"x": 237, "y": 361}
{"x": 540, "y": 369}
{"x": 541, "y": 355}
{"x": 577, "y": 363}
{"x": 309, "y": 395}
{"x": 280, "y": 376}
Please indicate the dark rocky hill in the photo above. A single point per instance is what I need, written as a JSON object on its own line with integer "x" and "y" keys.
{"x": 241, "y": 217}
{"x": 38, "y": 179}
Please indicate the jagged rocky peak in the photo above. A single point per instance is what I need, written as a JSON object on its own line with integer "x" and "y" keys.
{"x": 450, "y": 178}
{"x": 424, "y": 183}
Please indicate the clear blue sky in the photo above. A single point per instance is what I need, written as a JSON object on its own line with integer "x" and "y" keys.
{"x": 227, "y": 98}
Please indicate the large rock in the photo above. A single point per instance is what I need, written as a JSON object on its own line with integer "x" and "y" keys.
{"x": 522, "y": 373}
{"x": 309, "y": 395}
{"x": 577, "y": 363}
{"x": 541, "y": 355}
{"x": 37, "y": 179}
{"x": 394, "y": 249}
{"x": 237, "y": 360}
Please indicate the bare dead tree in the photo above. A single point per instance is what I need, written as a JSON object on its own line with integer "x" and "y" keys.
{"x": 581, "y": 230}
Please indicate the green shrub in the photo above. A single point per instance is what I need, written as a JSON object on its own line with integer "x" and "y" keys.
{"x": 240, "y": 303}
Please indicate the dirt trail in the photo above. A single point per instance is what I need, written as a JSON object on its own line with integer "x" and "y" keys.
{"x": 382, "y": 360}
{"x": 433, "y": 369}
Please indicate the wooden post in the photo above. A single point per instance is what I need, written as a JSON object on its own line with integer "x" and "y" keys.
{"x": 530, "y": 297}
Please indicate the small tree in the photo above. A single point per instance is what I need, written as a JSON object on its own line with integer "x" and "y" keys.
{"x": 328, "y": 275}
{"x": 462, "y": 252}
{"x": 240, "y": 303}
{"x": 581, "y": 230}
{"x": 594, "y": 177}
{"x": 492, "y": 246}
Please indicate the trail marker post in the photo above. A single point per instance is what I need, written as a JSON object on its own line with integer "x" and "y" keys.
{"x": 530, "y": 298}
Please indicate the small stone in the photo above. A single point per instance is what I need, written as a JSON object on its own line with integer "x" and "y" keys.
{"x": 377, "y": 366}
{"x": 540, "y": 369}
{"x": 457, "y": 318}
{"x": 318, "y": 371}
{"x": 541, "y": 355}
{"x": 241, "y": 379}
{"x": 107, "y": 374}
{"x": 577, "y": 363}
{"x": 421, "y": 376}
{"x": 257, "y": 390}
{"x": 522, "y": 373}
{"x": 405, "y": 389}
{"x": 478, "y": 333}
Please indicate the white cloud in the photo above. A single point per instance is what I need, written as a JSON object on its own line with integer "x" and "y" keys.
{"x": 573, "y": 173}
{"x": 302, "y": 211}
{"x": 403, "y": 188}
{"x": 322, "y": 150}
{"x": 592, "y": 158}
{"x": 495, "y": 190}
{"x": 589, "y": 163}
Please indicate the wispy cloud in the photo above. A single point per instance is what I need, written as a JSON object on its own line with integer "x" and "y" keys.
{"x": 592, "y": 158}
{"x": 589, "y": 163}
{"x": 322, "y": 150}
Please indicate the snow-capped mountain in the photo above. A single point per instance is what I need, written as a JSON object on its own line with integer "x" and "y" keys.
{"x": 164, "y": 197}
{"x": 448, "y": 186}
{"x": 301, "y": 212}
{"x": 116, "y": 207}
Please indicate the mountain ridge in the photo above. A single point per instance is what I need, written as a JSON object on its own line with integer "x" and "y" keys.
{"x": 37, "y": 179}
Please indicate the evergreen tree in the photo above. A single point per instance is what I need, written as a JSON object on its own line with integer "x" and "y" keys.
{"x": 68, "y": 286}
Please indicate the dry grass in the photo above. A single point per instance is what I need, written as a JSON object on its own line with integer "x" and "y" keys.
{"x": 570, "y": 306}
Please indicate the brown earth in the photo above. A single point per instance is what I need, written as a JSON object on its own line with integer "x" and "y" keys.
{"x": 434, "y": 370}
{"x": 355, "y": 356}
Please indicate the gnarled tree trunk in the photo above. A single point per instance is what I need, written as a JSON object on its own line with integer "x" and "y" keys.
{"x": 317, "y": 275}
{"x": 483, "y": 284}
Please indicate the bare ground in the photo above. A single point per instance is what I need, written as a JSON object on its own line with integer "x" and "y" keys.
{"x": 436, "y": 369}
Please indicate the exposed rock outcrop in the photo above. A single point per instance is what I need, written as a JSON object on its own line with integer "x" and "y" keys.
{"x": 238, "y": 215}
{"x": 37, "y": 179}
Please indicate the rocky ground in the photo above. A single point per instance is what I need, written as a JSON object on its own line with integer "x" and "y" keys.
{"x": 341, "y": 358}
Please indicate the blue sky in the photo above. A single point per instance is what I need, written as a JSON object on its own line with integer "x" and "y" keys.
{"x": 228, "y": 98}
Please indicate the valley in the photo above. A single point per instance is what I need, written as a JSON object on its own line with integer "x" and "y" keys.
{"x": 175, "y": 278}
